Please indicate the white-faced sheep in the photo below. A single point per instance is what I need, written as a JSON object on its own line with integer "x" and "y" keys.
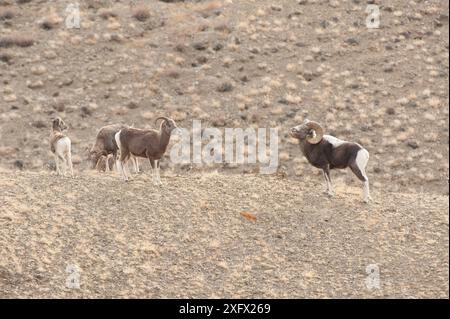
{"x": 60, "y": 145}
{"x": 327, "y": 152}
{"x": 150, "y": 143}
{"x": 105, "y": 147}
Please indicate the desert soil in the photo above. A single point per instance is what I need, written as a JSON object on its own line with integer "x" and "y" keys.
{"x": 188, "y": 238}
{"x": 228, "y": 63}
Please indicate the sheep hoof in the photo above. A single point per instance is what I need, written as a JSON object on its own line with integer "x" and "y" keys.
{"x": 330, "y": 194}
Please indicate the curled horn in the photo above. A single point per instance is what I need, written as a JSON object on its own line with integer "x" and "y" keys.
{"x": 318, "y": 132}
{"x": 162, "y": 118}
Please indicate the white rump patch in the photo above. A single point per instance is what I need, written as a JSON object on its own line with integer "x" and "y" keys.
{"x": 362, "y": 158}
{"x": 333, "y": 140}
{"x": 117, "y": 138}
{"x": 63, "y": 146}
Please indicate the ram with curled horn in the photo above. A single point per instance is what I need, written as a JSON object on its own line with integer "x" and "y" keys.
{"x": 148, "y": 143}
{"x": 328, "y": 152}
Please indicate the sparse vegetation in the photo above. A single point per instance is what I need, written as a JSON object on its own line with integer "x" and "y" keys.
{"x": 261, "y": 63}
{"x": 6, "y": 57}
{"x": 141, "y": 13}
{"x": 107, "y": 13}
{"x": 16, "y": 40}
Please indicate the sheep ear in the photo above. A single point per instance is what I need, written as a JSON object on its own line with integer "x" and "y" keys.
{"x": 306, "y": 121}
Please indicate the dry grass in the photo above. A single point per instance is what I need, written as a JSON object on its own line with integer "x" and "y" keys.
{"x": 295, "y": 242}
{"x": 141, "y": 13}
{"x": 107, "y": 13}
{"x": 16, "y": 40}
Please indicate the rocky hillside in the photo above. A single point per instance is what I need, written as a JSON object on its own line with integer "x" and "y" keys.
{"x": 233, "y": 64}
{"x": 209, "y": 235}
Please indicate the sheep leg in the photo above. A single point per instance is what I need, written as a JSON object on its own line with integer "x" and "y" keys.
{"x": 135, "y": 164}
{"x": 120, "y": 166}
{"x": 326, "y": 174}
{"x": 69, "y": 162}
{"x": 127, "y": 168}
{"x": 63, "y": 163}
{"x": 98, "y": 163}
{"x": 158, "y": 178}
{"x": 115, "y": 157}
{"x": 153, "y": 163}
{"x": 58, "y": 169}
{"x": 107, "y": 168}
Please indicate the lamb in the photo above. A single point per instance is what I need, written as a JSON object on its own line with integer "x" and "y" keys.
{"x": 105, "y": 147}
{"x": 151, "y": 144}
{"x": 327, "y": 152}
{"x": 60, "y": 145}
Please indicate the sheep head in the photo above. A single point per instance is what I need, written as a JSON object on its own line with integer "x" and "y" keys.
{"x": 58, "y": 124}
{"x": 94, "y": 156}
{"x": 168, "y": 125}
{"x": 310, "y": 131}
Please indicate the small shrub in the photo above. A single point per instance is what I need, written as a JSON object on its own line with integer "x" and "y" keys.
{"x": 20, "y": 41}
{"x": 6, "y": 14}
{"x": 23, "y": 42}
{"x": 107, "y": 13}
{"x": 141, "y": 13}
{"x": 6, "y": 57}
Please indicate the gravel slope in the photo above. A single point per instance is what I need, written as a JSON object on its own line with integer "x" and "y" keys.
{"x": 188, "y": 239}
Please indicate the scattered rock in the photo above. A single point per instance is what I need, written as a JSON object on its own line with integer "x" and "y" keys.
{"x": 35, "y": 85}
{"x": 38, "y": 70}
{"x": 200, "y": 46}
{"x": 352, "y": 41}
{"x": 413, "y": 144}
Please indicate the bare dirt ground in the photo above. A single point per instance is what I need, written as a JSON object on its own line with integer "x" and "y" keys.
{"x": 188, "y": 238}
{"x": 228, "y": 63}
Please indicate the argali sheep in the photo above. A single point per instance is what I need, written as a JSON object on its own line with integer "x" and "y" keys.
{"x": 327, "y": 152}
{"x": 105, "y": 147}
{"x": 60, "y": 145}
{"x": 150, "y": 143}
